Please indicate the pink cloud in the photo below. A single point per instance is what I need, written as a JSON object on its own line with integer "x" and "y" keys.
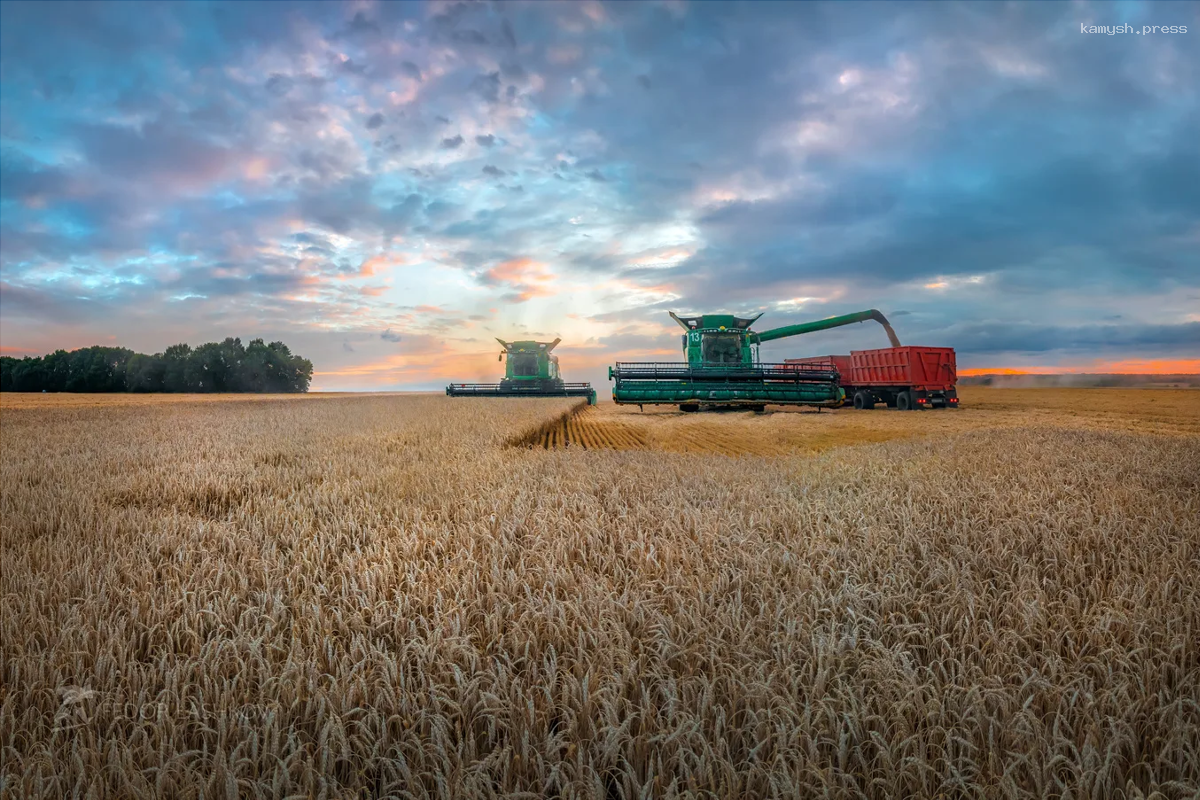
{"x": 375, "y": 263}
{"x": 525, "y": 277}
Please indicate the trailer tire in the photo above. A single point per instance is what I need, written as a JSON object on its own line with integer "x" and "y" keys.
{"x": 863, "y": 400}
{"x": 904, "y": 401}
{"x": 689, "y": 407}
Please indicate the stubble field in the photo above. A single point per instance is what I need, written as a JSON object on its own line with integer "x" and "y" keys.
{"x": 418, "y": 596}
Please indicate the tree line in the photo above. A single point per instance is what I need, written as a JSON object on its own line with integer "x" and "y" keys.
{"x": 226, "y": 366}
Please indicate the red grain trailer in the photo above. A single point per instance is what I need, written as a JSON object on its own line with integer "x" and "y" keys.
{"x": 902, "y": 377}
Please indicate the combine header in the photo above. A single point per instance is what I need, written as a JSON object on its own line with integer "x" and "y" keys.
{"x": 722, "y": 368}
{"x": 530, "y": 371}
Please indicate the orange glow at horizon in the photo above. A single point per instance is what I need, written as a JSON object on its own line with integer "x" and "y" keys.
{"x": 1133, "y": 366}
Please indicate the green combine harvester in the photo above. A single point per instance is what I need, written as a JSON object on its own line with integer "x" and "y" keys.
{"x": 723, "y": 370}
{"x": 530, "y": 371}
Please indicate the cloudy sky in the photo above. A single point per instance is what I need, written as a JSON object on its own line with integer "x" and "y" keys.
{"x": 388, "y": 186}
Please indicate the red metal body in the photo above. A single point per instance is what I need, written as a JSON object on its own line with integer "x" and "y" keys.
{"x": 925, "y": 374}
{"x": 927, "y": 368}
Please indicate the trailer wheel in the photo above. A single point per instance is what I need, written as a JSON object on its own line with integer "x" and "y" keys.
{"x": 689, "y": 407}
{"x": 863, "y": 400}
{"x": 904, "y": 401}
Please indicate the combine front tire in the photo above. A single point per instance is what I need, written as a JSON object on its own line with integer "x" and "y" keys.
{"x": 689, "y": 407}
{"x": 863, "y": 400}
{"x": 904, "y": 401}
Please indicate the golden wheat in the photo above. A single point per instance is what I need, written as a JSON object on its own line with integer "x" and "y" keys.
{"x": 380, "y": 596}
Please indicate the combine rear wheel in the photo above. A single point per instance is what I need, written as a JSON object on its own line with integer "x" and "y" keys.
{"x": 690, "y": 407}
{"x": 904, "y": 401}
{"x": 863, "y": 400}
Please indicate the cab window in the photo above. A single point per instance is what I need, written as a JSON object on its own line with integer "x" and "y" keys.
{"x": 525, "y": 365}
{"x": 721, "y": 348}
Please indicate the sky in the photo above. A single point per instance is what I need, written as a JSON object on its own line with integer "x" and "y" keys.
{"x": 387, "y": 187}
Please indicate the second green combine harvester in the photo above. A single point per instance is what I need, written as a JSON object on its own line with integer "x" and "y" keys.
{"x": 529, "y": 371}
{"x": 723, "y": 370}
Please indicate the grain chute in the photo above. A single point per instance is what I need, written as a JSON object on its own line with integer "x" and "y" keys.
{"x": 722, "y": 368}
{"x": 530, "y": 370}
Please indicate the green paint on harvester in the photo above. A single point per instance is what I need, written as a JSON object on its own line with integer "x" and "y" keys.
{"x": 530, "y": 370}
{"x": 722, "y": 367}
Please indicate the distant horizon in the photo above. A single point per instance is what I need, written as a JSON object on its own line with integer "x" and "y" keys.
{"x": 1182, "y": 368}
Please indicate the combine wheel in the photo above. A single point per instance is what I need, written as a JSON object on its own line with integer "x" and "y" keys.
{"x": 690, "y": 407}
{"x": 863, "y": 400}
{"x": 904, "y": 401}
{"x": 758, "y": 409}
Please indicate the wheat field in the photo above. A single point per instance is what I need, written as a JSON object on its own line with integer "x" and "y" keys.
{"x": 419, "y": 596}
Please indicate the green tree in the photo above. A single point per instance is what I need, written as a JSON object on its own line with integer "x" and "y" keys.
{"x": 146, "y": 373}
{"x": 175, "y": 363}
{"x": 225, "y": 366}
{"x": 8, "y": 365}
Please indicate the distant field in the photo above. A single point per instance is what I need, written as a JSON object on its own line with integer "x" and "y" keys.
{"x": 369, "y": 596}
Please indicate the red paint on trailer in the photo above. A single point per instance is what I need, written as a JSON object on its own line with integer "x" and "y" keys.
{"x": 928, "y": 368}
{"x": 921, "y": 368}
{"x": 928, "y": 374}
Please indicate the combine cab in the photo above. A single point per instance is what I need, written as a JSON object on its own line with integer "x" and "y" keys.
{"x": 723, "y": 370}
{"x": 530, "y": 371}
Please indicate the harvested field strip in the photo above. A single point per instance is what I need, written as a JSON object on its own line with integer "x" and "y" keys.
{"x": 723, "y": 441}
{"x": 846, "y": 437}
{"x": 582, "y": 427}
{"x": 552, "y": 433}
{"x": 593, "y": 428}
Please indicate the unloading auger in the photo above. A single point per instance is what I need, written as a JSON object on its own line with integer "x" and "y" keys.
{"x": 530, "y": 371}
{"x": 722, "y": 367}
